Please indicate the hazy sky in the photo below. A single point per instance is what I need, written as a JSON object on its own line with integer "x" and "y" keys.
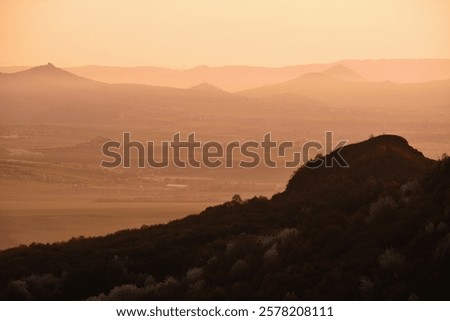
{"x": 186, "y": 33}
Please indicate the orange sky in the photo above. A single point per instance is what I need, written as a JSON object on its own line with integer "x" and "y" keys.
{"x": 187, "y": 33}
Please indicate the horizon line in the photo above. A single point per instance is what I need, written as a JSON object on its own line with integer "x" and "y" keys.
{"x": 220, "y": 66}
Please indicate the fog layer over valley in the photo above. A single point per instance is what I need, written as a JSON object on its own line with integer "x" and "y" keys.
{"x": 53, "y": 123}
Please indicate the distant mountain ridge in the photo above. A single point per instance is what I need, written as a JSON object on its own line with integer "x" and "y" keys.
{"x": 47, "y": 94}
{"x": 208, "y": 89}
{"x": 238, "y": 78}
{"x": 343, "y": 73}
{"x": 27, "y": 95}
{"x": 339, "y": 86}
{"x": 47, "y": 73}
{"x": 329, "y": 77}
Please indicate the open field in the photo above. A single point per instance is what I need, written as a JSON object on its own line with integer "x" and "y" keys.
{"x": 49, "y": 202}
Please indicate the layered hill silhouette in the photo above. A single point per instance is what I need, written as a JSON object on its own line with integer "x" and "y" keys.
{"x": 342, "y": 87}
{"x": 343, "y": 73}
{"x": 238, "y": 78}
{"x": 230, "y": 78}
{"x": 47, "y": 94}
{"x": 378, "y": 229}
{"x": 47, "y": 73}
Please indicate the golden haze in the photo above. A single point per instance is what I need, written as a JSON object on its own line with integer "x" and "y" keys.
{"x": 250, "y": 32}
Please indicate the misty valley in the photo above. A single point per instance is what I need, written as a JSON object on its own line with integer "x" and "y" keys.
{"x": 71, "y": 229}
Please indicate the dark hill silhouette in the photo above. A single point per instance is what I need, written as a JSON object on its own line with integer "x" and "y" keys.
{"x": 382, "y": 163}
{"x": 378, "y": 230}
{"x": 388, "y": 158}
